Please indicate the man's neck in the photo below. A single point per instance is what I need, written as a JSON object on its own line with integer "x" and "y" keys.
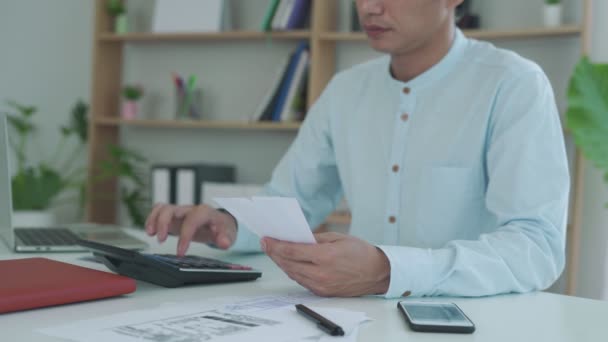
{"x": 407, "y": 66}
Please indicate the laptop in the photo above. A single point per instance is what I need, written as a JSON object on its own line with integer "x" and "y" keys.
{"x": 50, "y": 239}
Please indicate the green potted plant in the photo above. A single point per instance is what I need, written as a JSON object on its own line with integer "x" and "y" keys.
{"x": 116, "y": 10}
{"x": 131, "y": 95}
{"x": 36, "y": 187}
{"x": 587, "y": 115}
{"x": 552, "y": 13}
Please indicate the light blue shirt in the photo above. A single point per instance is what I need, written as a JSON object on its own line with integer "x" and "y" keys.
{"x": 462, "y": 181}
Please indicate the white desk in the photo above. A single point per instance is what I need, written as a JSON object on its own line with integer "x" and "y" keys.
{"x": 529, "y": 317}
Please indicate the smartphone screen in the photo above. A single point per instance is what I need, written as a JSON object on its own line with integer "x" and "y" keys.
{"x": 436, "y": 317}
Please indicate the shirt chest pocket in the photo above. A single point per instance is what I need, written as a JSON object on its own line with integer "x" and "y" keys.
{"x": 450, "y": 203}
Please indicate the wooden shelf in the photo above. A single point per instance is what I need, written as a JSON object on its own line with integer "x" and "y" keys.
{"x": 201, "y": 36}
{"x": 570, "y": 30}
{"x": 268, "y": 126}
{"x": 479, "y": 34}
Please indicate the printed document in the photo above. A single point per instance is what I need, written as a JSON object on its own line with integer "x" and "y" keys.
{"x": 254, "y": 319}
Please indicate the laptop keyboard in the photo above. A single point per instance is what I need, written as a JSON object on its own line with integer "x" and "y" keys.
{"x": 46, "y": 236}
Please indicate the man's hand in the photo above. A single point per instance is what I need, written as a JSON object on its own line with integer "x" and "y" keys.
{"x": 338, "y": 265}
{"x": 199, "y": 223}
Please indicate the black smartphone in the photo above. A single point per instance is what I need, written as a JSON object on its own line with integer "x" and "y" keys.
{"x": 435, "y": 317}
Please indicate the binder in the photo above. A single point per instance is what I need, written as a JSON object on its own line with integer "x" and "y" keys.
{"x": 185, "y": 188}
{"x": 39, "y": 282}
{"x": 286, "y": 14}
{"x": 161, "y": 185}
{"x": 213, "y": 173}
{"x": 297, "y": 106}
{"x": 180, "y": 184}
{"x": 288, "y": 114}
{"x": 286, "y": 84}
{"x": 269, "y": 110}
{"x": 280, "y": 13}
{"x": 298, "y": 15}
{"x": 270, "y": 98}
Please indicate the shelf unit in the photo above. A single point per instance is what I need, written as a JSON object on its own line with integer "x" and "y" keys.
{"x": 322, "y": 36}
{"x": 222, "y": 36}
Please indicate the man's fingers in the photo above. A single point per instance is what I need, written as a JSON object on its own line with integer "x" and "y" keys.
{"x": 221, "y": 238}
{"x": 328, "y": 237}
{"x": 181, "y": 211}
{"x": 293, "y": 251}
{"x": 163, "y": 222}
{"x": 306, "y": 269}
{"x": 308, "y": 275}
{"x": 302, "y": 280}
{"x": 192, "y": 222}
{"x": 151, "y": 224}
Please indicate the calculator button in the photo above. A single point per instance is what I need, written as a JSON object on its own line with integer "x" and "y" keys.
{"x": 195, "y": 262}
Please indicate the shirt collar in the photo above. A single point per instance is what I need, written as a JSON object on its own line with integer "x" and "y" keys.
{"x": 437, "y": 71}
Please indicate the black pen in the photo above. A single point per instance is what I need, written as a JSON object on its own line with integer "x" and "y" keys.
{"x": 323, "y": 323}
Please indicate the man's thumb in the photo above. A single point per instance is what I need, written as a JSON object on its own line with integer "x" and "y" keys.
{"x": 328, "y": 237}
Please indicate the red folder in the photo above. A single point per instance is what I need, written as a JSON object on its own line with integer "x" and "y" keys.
{"x": 38, "y": 282}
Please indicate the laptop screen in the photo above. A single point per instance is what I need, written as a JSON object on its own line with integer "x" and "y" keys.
{"x": 6, "y": 207}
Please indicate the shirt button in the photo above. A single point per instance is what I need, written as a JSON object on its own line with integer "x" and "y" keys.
{"x": 392, "y": 219}
{"x": 406, "y": 294}
{"x": 406, "y": 90}
{"x": 395, "y": 168}
{"x": 404, "y": 116}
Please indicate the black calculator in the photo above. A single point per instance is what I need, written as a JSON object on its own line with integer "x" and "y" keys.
{"x": 169, "y": 270}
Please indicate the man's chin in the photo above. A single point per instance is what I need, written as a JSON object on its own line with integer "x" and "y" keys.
{"x": 380, "y": 46}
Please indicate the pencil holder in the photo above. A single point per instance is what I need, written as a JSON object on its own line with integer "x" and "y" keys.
{"x": 130, "y": 110}
{"x": 188, "y": 104}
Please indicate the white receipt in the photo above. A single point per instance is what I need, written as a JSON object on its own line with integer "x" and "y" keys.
{"x": 280, "y": 218}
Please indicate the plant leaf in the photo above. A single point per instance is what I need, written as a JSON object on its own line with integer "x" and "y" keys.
{"x": 65, "y": 131}
{"x": 21, "y": 125}
{"x": 35, "y": 188}
{"x": 79, "y": 121}
{"x": 25, "y": 111}
{"x": 587, "y": 116}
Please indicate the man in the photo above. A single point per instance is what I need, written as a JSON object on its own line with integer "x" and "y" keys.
{"x": 450, "y": 154}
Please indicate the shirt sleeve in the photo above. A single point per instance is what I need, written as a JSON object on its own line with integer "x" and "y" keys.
{"x": 307, "y": 172}
{"x": 527, "y": 191}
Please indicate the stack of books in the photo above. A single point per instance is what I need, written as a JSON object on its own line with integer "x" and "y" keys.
{"x": 286, "y": 15}
{"x": 285, "y": 100}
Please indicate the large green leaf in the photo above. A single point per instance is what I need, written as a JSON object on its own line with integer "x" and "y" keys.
{"x": 25, "y": 111}
{"x": 587, "y": 116}
{"x": 22, "y": 125}
{"x": 35, "y": 188}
